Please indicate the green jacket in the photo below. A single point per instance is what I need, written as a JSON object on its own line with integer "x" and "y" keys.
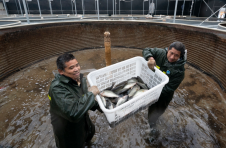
{"x": 175, "y": 71}
{"x": 69, "y": 105}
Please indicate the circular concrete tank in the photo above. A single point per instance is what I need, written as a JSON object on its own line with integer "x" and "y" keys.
{"x": 194, "y": 118}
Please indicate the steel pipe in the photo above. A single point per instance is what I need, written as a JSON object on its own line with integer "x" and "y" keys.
{"x": 98, "y": 8}
{"x": 95, "y": 6}
{"x": 175, "y": 11}
{"x": 5, "y": 7}
{"x": 209, "y": 8}
{"x": 83, "y": 7}
{"x": 39, "y": 8}
{"x": 72, "y": 7}
{"x": 191, "y": 7}
{"x": 211, "y": 15}
{"x": 61, "y": 7}
{"x": 75, "y": 8}
{"x": 183, "y": 8}
{"x": 113, "y": 6}
{"x": 25, "y": 9}
{"x": 168, "y": 7}
{"x": 119, "y": 7}
{"x": 20, "y": 8}
{"x": 50, "y": 7}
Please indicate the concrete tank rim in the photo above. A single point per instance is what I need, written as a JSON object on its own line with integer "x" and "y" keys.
{"x": 222, "y": 27}
{"x": 192, "y": 20}
{"x": 14, "y": 22}
{"x": 90, "y": 21}
{"x": 50, "y": 19}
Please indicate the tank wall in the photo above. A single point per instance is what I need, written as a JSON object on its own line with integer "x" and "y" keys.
{"x": 23, "y": 46}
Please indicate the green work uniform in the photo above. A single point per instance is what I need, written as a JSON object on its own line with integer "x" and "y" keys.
{"x": 175, "y": 72}
{"x": 69, "y": 105}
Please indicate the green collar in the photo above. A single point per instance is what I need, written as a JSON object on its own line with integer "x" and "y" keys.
{"x": 66, "y": 79}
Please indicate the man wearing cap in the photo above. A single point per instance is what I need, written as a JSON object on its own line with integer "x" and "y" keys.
{"x": 171, "y": 62}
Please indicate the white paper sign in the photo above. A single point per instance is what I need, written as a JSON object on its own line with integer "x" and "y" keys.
{"x": 221, "y": 13}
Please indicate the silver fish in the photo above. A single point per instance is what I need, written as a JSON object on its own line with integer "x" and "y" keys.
{"x": 122, "y": 100}
{"x": 126, "y": 87}
{"x": 117, "y": 88}
{"x": 129, "y": 85}
{"x": 110, "y": 88}
{"x": 109, "y": 105}
{"x": 109, "y": 94}
{"x": 132, "y": 80}
{"x": 114, "y": 100}
{"x": 140, "y": 92}
{"x": 120, "y": 84}
{"x": 142, "y": 85}
{"x": 103, "y": 100}
{"x": 133, "y": 90}
{"x": 139, "y": 79}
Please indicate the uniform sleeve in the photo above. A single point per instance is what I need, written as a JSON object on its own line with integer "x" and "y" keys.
{"x": 85, "y": 90}
{"x": 173, "y": 83}
{"x": 96, "y": 107}
{"x": 151, "y": 52}
{"x": 69, "y": 107}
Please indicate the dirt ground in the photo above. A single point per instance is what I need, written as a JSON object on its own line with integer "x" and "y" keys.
{"x": 195, "y": 115}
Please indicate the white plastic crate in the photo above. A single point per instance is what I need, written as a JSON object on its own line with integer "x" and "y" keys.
{"x": 122, "y": 71}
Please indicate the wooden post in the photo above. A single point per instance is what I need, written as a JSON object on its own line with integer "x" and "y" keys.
{"x": 107, "y": 44}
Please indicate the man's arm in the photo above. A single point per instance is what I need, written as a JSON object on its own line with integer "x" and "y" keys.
{"x": 69, "y": 107}
{"x": 150, "y": 52}
{"x": 173, "y": 84}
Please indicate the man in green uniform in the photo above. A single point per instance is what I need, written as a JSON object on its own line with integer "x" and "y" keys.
{"x": 70, "y": 101}
{"x": 171, "y": 62}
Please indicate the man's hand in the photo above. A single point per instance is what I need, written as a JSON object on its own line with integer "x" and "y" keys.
{"x": 94, "y": 90}
{"x": 151, "y": 63}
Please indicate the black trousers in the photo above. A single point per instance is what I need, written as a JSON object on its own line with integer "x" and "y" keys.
{"x": 70, "y": 135}
{"x": 158, "y": 108}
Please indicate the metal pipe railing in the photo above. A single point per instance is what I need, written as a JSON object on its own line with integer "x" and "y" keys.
{"x": 5, "y": 7}
{"x": 25, "y": 9}
{"x": 183, "y": 8}
{"x": 61, "y": 7}
{"x": 83, "y": 7}
{"x": 209, "y": 7}
{"x": 98, "y": 8}
{"x": 39, "y": 8}
{"x": 20, "y": 8}
{"x": 211, "y": 15}
{"x": 50, "y": 7}
{"x": 175, "y": 11}
{"x": 75, "y": 8}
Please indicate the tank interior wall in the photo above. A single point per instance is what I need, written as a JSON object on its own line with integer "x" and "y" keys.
{"x": 25, "y": 45}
